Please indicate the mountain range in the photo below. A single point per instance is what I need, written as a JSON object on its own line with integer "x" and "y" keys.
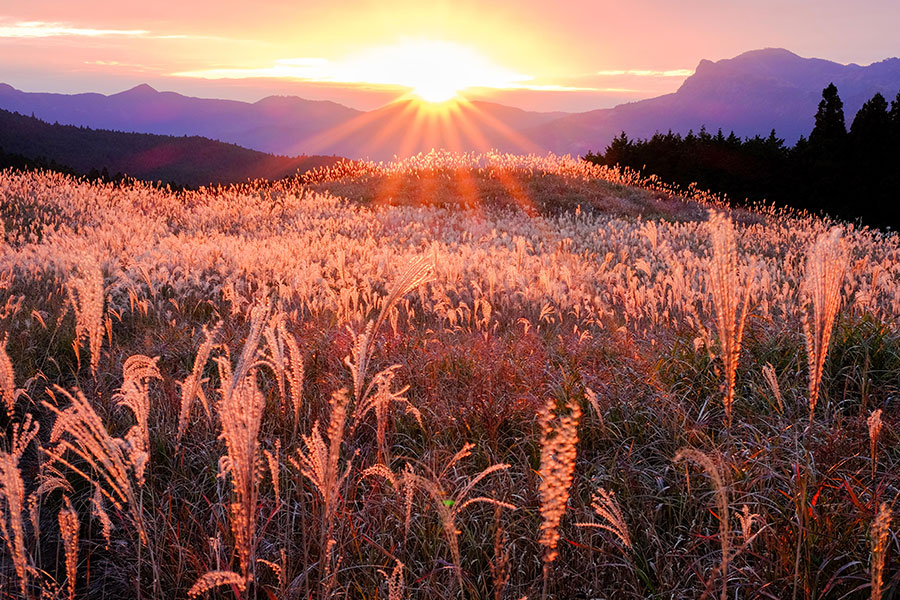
{"x": 185, "y": 160}
{"x": 749, "y": 94}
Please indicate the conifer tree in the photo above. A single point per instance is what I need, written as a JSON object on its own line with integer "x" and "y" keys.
{"x": 830, "y": 130}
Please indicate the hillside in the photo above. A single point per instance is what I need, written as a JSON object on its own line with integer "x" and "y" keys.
{"x": 191, "y": 161}
{"x": 449, "y": 377}
{"x": 288, "y": 125}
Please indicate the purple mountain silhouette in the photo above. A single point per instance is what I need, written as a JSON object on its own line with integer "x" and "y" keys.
{"x": 749, "y": 94}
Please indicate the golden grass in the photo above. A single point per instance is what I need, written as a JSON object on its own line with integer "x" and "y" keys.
{"x": 360, "y": 343}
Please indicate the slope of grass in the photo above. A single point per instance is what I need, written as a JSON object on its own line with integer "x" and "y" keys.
{"x": 324, "y": 457}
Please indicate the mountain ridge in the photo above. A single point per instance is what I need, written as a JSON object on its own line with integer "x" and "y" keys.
{"x": 187, "y": 160}
{"x": 750, "y": 94}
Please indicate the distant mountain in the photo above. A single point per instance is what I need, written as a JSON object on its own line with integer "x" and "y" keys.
{"x": 406, "y": 127}
{"x": 191, "y": 161}
{"x": 750, "y": 94}
{"x": 276, "y": 124}
{"x": 287, "y": 125}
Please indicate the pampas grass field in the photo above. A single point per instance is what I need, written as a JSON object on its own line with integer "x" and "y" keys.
{"x": 454, "y": 376}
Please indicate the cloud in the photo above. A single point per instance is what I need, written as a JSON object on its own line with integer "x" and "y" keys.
{"x": 647, "y": 73}
{"x": 415, "y": 64}
{"x": 114, "y": 64}
{"x": 45, "y": 29}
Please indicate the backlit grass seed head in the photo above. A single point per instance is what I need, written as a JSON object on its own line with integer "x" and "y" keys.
{"x": 418, "y": 272}
{"x": 137, "y": 371}
{"x": 86, "y": 293}
{"x": 826, "y": 266}
{"x": 449, "y": 503}
{"x": 192, "y": 387}
{"x": 874, "y": 423}
{"x": 771, "y": 378}
{"x": 12, "y": 495}
{"x": 7, "y": 380}
{"x": 98, "y": 511}
{"x": 109, "y": 463}
{"x": 214, "y": 579}
{"x": 319, "y": 462}
{"x": 747, "y": 519}
{"x": 715, "y": 474}
{"x": 240, "y": 413}
{"x": 879, "y": 534}
{"x": 240, "y": 410}
{"x": 394, "y": 581}
{"x": 558, "y": 454}
{"x": 731, "y": 297}
{"x": 605, "y": 505}
{"x": 68, "y": 529}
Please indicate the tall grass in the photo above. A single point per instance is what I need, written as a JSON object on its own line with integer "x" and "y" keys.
{"x": 880, "y": 531}
{"x": 12, "y": 492}
{"x": 731, "y": 297}
{"x": 559, "y": 436}
{"x": 240, "y": 411}
{"x": 826, "y": 266}
{"x": 372, "y": 361}
{"x": 715, "y": 475}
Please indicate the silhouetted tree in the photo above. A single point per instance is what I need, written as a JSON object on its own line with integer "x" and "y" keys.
{"x": 830, "y": 129}
{"x": 828, "y": 155}
{"x": 895, "y": 121}
{"x": 871, "y": 127}
{"x": 848, "y": 174}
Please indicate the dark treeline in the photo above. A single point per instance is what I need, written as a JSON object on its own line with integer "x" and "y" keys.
{"x": 851, "y": 174}
{"x": 187, "y": 161}
{"x": 23, "y": 163}
{"x": 18, "y": 162}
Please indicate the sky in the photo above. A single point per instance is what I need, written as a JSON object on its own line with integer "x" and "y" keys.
{"x": 572, "y": 55}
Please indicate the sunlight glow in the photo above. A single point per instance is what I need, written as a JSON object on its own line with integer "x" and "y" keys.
{"x": 435, "y": 71}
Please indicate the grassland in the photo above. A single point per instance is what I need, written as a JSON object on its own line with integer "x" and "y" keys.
{"x": 456, "y": 376}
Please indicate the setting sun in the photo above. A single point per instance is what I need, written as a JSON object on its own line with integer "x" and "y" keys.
{"x": 434, "y": 71}
{"x": 435, "y": 92}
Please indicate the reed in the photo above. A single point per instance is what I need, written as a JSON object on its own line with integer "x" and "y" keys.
{"x": 874, "y": 424}
{"x": 86, "y": 293}
{"x": 715, "y": 475}
{"x": 192, "y": 386}
{"x": 12, "y": 493}
{"x": 68, "y": 528}
{"x": 826, "y": 266}
{"x": 731, "y": 297}
{"x": 607, "y": 507}
{"x": 881, "y": 528}
{"x": 559, "y": 436}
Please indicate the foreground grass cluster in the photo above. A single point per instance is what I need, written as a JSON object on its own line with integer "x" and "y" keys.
{"x": 456, "y": 376}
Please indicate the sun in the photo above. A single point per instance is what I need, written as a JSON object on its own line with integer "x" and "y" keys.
{"x": 434, "y": 71}
{"x": 436, "y": 92}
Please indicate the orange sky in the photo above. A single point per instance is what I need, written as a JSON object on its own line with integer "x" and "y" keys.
{"x": 572, "y": 55}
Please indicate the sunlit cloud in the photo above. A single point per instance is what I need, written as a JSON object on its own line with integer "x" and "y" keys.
{"x": 46, "y": 29}
{"x": 119, "y": 65}
{"x": 646, "y": 73}
{"x": 430, "y": 68}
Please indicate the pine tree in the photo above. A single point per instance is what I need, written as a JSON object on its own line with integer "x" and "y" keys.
{"x": 830, "y": 129}
{"x": 827, "y": 155}
{"x": 871, "y": 126}
{"x": 871, "y": 162}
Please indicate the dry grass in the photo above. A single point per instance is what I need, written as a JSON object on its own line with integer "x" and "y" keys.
{"x": 730, "y": 290}
{"x": 826, "y": 265}
{"x": 373, "y": 371}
